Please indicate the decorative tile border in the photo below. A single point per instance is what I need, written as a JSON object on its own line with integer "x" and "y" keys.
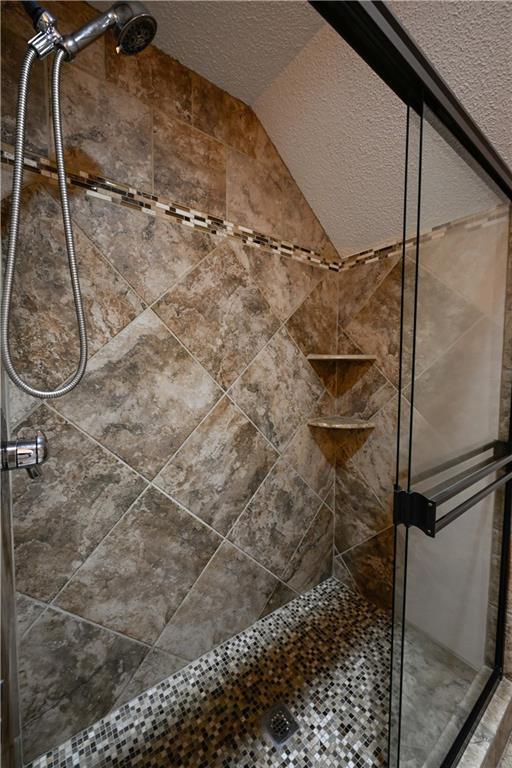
{"x": 469, "y": 223}
{"x": 154, "y": 205}
{"x": 325, "y": 654}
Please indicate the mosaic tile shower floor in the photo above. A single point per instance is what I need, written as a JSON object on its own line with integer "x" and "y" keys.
{"x": 324, "y": 655}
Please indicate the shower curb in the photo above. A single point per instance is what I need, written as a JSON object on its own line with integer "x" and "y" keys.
{"x": 491, "y": 736}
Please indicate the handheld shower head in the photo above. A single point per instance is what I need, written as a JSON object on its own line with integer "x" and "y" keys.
{"x": 132, "y": 24}
{"x": 135, "y": 28}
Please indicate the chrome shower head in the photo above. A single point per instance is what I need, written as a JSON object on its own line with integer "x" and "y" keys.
{"x": 132, "y": 24}
{"x": 135, "y": 27}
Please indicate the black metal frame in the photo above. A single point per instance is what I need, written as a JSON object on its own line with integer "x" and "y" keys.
{"x": 419, "y": 509}
{"x": 372, "y": 30}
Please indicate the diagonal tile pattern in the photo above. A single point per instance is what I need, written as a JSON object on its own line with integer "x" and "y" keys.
{"x": 273, "y": 524}
{"x": 219, "y": 315}
{"x": 229, "y": 596}
{"x": 61, "y": 520}
{"x": 218, "y": 469}
{"x": 126, "y": 399}
{"x": 277, "y": 389}
{"x": 70, "y": 673}
{"x": 151, "y": 253}
{"x": 42, "y": 291}
{"x": 142, "y": 570}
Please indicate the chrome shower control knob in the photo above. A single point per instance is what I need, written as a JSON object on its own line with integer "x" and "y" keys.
{"x": 26, "y": 454}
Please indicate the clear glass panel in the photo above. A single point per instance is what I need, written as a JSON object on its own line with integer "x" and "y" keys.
{"x": 455, "y": 280}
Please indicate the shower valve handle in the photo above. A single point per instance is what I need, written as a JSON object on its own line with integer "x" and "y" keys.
{"x": 26, "y": 454}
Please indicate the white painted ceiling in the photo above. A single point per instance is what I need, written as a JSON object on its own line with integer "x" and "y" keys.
{"x": 241, "y": 45}
{"x": 339, "y": 129}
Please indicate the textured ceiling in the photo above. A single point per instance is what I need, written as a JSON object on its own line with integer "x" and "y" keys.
{"x": 241, "y": 46}
{"x": 339, "y": 129}
{"x": 470, "y": 44}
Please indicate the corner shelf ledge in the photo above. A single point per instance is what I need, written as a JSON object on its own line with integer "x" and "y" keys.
{"x": 343, "y": 358}
{"x": 340, "y": 422}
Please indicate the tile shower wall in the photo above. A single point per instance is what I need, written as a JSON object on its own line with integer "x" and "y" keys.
{"x": 461, "y": 339}
{"x": 185, "y": 496}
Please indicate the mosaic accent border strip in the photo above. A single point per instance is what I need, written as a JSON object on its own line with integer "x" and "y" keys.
{"x": 155, "y": 205}
{"x": 468, "y": 223}
{"x": 326, "y": 654}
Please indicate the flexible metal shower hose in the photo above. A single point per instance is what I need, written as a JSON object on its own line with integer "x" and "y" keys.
{"x": 14, "y": 227}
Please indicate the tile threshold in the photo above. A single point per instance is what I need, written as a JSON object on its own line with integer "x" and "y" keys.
{"x": 489, "y": 742}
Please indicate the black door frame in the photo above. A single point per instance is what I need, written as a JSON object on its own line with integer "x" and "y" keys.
{"x": 373, "y": 31}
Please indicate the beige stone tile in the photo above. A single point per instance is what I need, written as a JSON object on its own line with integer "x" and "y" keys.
{"x": 155, "y": 667}
{"x": 284, "y": 283}
{"x": 222, "y": 116}
{"x": 228, "y": 597}
{"x": 219, "y": 468}
{"x": 140, "y": 573}
{"x": 61, "y": 519}
{"x": 277, "y": 389}
{"x": 37, "y": 127}
{"x": 219, "y": 314}
{"x": 312, "y": 454}
{"x": 107, "y": 132}
{"x": 71, "y": 673}
{"x": 312, "y": 561}
{"x": 371, "y": 566}
{"x": 358, "y": 512}
{"x": 172, "y": 86}
{"x": 269, "y": 202}
{"x": 43, "y": 321}
{"x": 274, "y": 523}
{"x": 142, "y": 396}
{"x": 150, "y": 252}
{"x": 190, "y": 167}
{"x": 314, "y": 324}
{"x": 27, "y": 611}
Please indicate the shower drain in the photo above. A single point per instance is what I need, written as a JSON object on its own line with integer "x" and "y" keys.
{"x": 279, "y": 723}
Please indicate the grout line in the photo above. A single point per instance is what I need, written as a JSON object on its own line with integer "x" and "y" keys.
{"x": 365, "y": 541}
{"x": 242, "y": 551}
{"x": 46, "y": 404}
{"x": 98, "y": 545}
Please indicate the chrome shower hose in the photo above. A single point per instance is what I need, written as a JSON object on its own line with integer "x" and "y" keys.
{"x": 14, "y": 228}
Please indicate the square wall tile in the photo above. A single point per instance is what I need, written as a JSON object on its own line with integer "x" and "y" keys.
{"x": 219, "y": 468}
{"x": 71, "y": 673}
{"x": 272, "y": 526}
{"x": 190, "y": 167}
{"x": 63, "y": 517}
{"x": 219, "y": 314}
{"x": 277, "y": 389}
{"x": 106, "y": 131}
{"x": 42, "y": 285}
{"x": 228, "y": 597}
{"x": 219, "y": 114}
{"x": 138, "y": 576}
{"x": 142, "y": 395}
{"x": 150, "y": 252}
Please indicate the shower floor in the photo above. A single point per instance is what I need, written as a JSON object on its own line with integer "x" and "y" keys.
{"x": 325, "y": 655}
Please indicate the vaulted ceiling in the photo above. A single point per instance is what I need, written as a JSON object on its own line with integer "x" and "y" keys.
{"x": 339, "y": 129}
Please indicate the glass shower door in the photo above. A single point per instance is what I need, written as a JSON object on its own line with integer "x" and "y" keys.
{"x": 454, "y": 449}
